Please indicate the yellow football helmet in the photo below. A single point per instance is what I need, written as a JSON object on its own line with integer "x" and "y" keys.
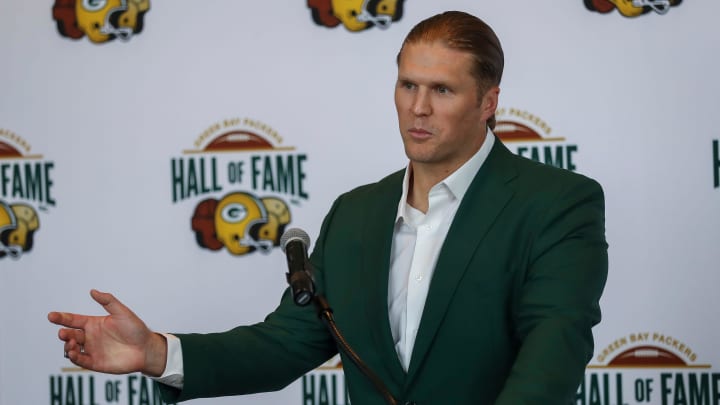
{"x": 278, "y": 218}
{"x": 349, "y": 12}
{"x": 386, "y": 10}
{"x": 132, "y": 17}
{"x": 633, "y": 8}
{"x": 93, "y": 18}
{"x": 103, "y": 20}
{"x": 238, "y": 218}
{"x": 8, "y": 224}
{"x": 357, "y": 15}
{"x": 27, "y": 224}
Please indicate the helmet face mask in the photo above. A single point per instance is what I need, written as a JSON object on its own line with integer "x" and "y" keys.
{"x": 349, "y": 12}
{"x": 8, "y": 224}
{"x": 131, "y": 18}
{"x": 15, "y": 234}
{"x": 100, "y": 20}
{"x": 384, "y": 12}
{"x": 93, "y": 18}
{"x": 659, "y": 6}
{"x": 7, "y": 218}
{"x": 357, "y": 15}
{"x": 634, "y": 8}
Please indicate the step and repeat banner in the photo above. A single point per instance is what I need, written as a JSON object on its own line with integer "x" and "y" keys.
{"x": 130, "y": 130}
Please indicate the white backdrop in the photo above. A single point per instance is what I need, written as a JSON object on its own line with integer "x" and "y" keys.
{"x": 634, "y": 100}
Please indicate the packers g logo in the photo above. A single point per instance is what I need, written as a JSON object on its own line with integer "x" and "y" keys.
{"x": 18, "y": 223}
{"x": 356, "y": 15}
{"x": 631, "y": 8}
{"x": 100, "y": 20}
{"x": 240, "y": 222}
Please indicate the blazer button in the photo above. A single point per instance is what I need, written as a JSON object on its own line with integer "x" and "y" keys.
{"x": 410, "y": 403}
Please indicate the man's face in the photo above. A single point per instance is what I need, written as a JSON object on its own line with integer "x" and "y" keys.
{"x": 442, "y": 117}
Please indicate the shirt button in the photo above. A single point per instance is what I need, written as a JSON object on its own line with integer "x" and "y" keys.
{"x": 419, "y": 278}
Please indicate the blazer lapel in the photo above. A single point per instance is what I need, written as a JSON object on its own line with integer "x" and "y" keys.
{"x": 377, "y": 241}
{"x": 485, "y": 199}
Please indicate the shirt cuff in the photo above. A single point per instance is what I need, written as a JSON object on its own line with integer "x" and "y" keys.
{"x": 174, "y": 373}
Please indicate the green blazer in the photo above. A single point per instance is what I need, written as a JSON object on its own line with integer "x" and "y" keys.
{"x": 508, "y": 315}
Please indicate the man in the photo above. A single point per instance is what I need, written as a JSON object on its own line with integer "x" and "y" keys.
{"x": 471, "y": 277}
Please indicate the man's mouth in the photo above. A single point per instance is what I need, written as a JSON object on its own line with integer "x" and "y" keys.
{"x": 419, "y": 133}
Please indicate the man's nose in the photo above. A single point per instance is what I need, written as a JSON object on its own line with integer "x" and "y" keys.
{"x": 421, "y": 103}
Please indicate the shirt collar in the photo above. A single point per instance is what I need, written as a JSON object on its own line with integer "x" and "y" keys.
{"x": 457, "y": 182}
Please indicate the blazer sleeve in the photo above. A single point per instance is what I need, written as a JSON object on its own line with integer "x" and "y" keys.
{"x": 557, "y": 303}
{"x": 258, "y": 358}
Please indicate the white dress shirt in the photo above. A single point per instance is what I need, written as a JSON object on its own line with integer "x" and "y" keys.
{"x": 417, "y": 240}
{"x": 416, "y": 245}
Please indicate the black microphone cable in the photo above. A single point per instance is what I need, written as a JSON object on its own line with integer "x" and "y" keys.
{"x": 326, "y": 315}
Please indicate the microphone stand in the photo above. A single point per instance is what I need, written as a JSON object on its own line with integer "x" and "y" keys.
{"x": 326, "y": 315}
{"x": 294, "y": 243}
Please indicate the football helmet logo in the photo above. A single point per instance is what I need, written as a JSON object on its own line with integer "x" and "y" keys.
{"x": 203, "y": 223}
{"x": 356, "y": 15}
{"x": 278, "y": 218}
{"x": 238, "y": 218}
{"x": 240, "y": 222}
{"x": 100, "y": 20}
{"x": 631, "y": 8}
{"x": 18, "y": 223}
{"x": 322, "y": 13}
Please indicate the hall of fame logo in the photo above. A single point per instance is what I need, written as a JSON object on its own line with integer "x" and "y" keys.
{"x": 649, "y": 367}
{"x": 326, "y": 384}
{"x": 100, "y": 20}
{"x": 631, "y": 8}
{"x": 532, "y": 137}
{"x": 78, "y": 386}
{"x": 25, "y": 187}
{"x": 244, "y": 181}
{"x": 356, "y": 15}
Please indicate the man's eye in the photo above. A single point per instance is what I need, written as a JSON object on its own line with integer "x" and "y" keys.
{"x": 443, "y": 90}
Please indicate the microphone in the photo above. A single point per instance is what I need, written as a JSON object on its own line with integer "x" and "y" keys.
{"x": 294, "y": 242}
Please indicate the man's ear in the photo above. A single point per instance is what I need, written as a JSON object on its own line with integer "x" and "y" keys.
{"x": 489, "y": 102}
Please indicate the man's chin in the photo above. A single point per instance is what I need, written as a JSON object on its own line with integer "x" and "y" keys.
{"x": 422, "y": 158}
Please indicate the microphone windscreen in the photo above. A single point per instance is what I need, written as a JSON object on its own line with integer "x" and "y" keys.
{"x": 294, "y": 234}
